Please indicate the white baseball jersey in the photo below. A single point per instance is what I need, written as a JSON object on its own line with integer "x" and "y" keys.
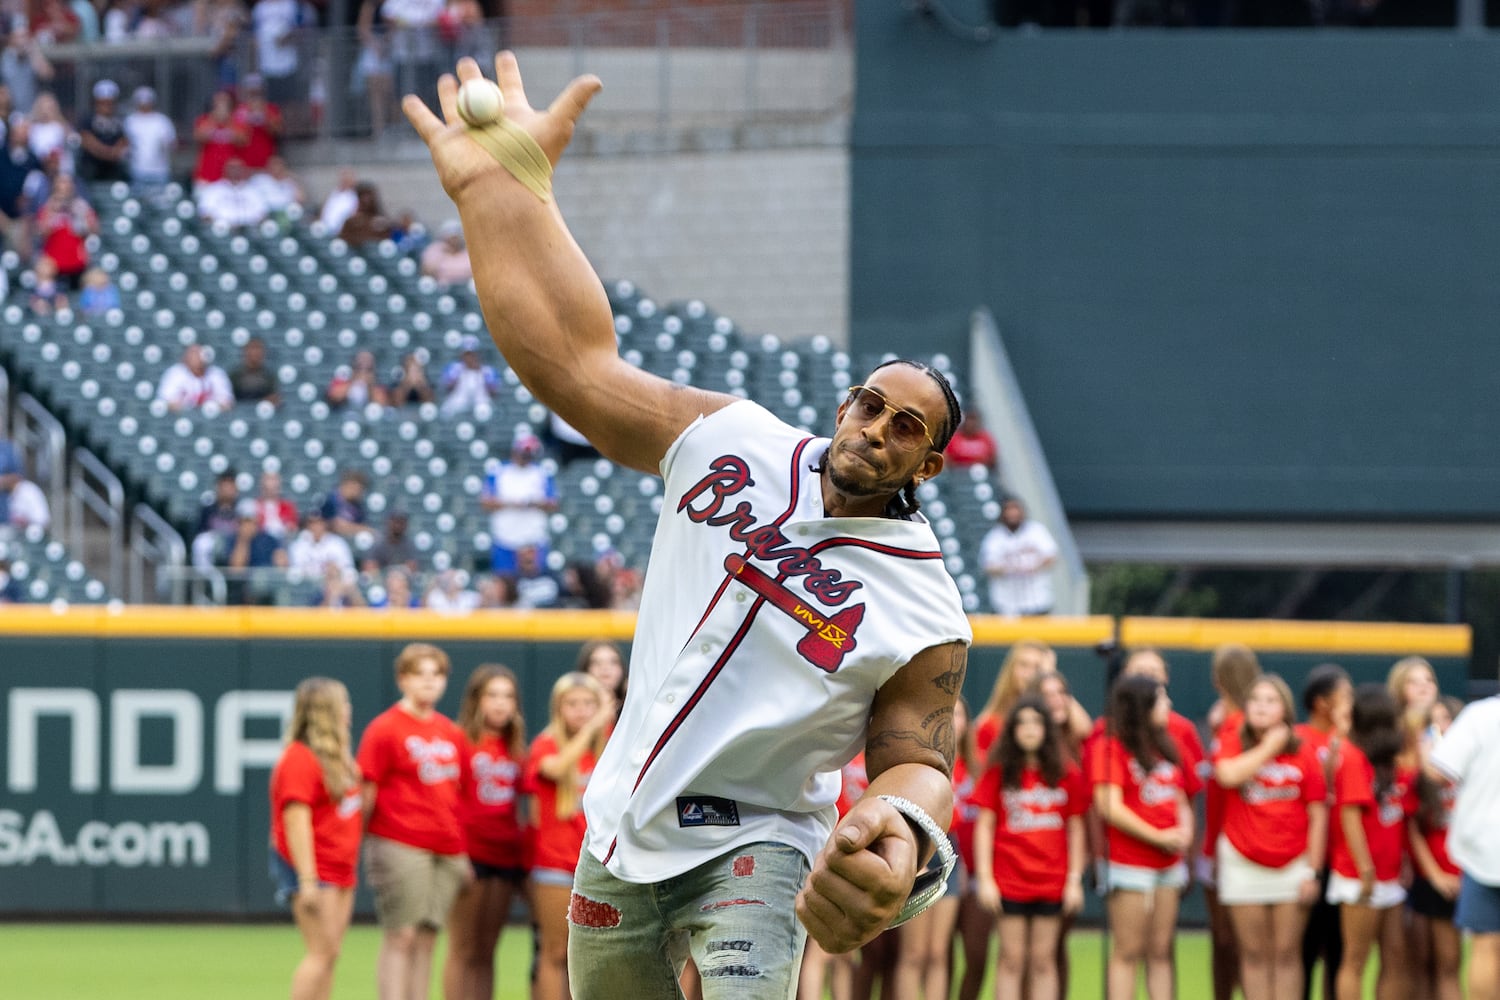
{"x": 764, "y": 631}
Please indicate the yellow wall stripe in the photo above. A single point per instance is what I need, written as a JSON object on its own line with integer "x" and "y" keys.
{"x": 1296, "y": 636}
{"x": 145, "y": 621}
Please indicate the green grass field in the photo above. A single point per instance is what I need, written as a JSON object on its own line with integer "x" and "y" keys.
{"x": 254, "y": 962}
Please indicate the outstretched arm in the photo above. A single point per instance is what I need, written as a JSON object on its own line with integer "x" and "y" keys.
{"x": 542, "y": 301}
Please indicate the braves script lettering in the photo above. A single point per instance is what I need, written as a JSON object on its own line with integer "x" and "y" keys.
{"x": 704, "y": 504}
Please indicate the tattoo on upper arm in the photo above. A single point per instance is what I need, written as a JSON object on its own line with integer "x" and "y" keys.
{"x": 951, "y": 681}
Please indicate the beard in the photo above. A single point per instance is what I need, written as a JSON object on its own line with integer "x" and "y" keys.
{"x": 874, "y": 485}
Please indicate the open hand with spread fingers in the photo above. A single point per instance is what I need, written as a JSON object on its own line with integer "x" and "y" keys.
{"x": 461, "y": 162}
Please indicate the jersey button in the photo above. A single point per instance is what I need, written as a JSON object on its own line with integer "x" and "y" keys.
{"x": 671, "y": 699}
{"x": 740, "y": 597}
{"x": 639, "y": 757}
{"x": 707, "y": 647}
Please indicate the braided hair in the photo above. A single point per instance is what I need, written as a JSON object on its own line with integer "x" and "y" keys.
{"x": 905, "y": 503}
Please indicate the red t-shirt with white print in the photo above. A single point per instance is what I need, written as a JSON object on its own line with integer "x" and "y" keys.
{"x": 416, "y": 766}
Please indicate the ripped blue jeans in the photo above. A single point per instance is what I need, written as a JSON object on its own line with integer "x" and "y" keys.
{"x": 734, "y": 914}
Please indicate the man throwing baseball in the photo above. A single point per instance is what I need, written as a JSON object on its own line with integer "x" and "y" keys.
{"x": 796, "y": 610}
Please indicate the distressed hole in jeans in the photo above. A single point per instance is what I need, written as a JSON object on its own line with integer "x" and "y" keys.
{"x": 584, "y": 912}
{"x": 725, "y": 904}
{"x": 716, "y": 946}
{"x": 744, "y": 866}
{"x": 730, "y": 972}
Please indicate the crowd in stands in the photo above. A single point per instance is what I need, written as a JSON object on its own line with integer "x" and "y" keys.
{"x": 345, "y": 559}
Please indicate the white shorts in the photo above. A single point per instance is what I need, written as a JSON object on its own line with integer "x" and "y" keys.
{"x": 1133, "y": 878}
{"x": 1243, "y": 882}
{"x": 1343, "y": 889}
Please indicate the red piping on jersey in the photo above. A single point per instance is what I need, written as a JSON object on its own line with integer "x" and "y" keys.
{"x": 676, "y": 723}
{"x": 887, "y": 550}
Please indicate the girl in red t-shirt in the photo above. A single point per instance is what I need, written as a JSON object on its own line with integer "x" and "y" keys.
{"x": 488, "y": 812}
{"x": 924, "y": 944}
{"x": 412, "y": 760}
{"x": 1029, "y": 851}
{"x": 1072, "y": 725}
{"x": 1371, "y": 801}
{"x": 1437, "y": 943}
{"x": 1140, "y": 795}
{"x": 1233, "y": 669}
{"x": 315, "y": 828}
{"x": 1272, "y": 837}
{"x": 557, "y": 771}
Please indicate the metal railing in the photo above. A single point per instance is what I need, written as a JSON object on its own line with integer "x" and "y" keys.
{"x": 726, "y": 66}
{"x": 157, "y": 557}
{"x": 42, "y": 442}
{"x": 94, "y": 490}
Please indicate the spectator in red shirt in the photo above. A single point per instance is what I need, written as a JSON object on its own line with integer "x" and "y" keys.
{"x": 562, "y": 759}
{"x": 1140, "y": 793}
{"x": 63, "y": 225}
{"x": 220, "y": 138}
{"x": 315, "y": 828}
{"x": 1029, "y": 850}
{"x": 1274, "y": 822}
{"x": 275, "y": 514}
{"x": 412, "y": 760}
{"x": 55, "y": 24}
{"x": 490, "y": 716}
{"x": 972, "y": 444}
{"x": 261, "y": 121}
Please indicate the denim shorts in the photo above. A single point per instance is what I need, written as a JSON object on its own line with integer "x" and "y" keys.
{"x": 735, "y": 914}
{"x": 1135, "y": 878}
{"x": 284, "y": 879}
{"x": 1478, "y": 907}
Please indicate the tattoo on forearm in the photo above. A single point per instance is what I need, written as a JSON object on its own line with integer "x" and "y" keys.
{"x": 951, "y": 681}
{"x": 934, "y": 738}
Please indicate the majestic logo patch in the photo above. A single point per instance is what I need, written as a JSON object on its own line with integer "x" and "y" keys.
{"x": 706, "y": 810}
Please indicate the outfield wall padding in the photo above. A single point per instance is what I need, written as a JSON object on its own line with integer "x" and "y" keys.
{"x": 137, "y": 743}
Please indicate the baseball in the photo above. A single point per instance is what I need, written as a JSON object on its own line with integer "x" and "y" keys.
{"x": 480, "y": 102}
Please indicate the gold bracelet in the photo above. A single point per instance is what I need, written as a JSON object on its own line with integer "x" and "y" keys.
{"x": 517, "y": 152}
